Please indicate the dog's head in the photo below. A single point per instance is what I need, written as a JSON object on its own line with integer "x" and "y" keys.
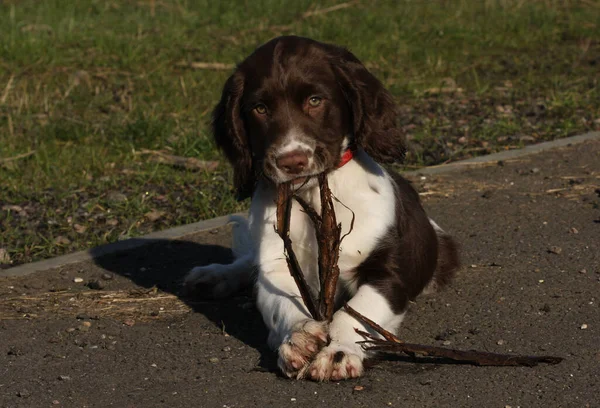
{"x": 294, "y": 106}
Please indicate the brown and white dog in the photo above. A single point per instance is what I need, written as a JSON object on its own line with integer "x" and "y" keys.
{"x": 293, "y": 109}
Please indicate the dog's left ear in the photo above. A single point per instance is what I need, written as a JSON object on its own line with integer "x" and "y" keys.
{"x": 373, "y": 109}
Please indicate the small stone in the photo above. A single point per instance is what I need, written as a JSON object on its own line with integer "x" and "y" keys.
{"x": 78, "y": 280}
{"x": 555, "y": 250}
{"x": 64, "y": 378}
{"x": 95, "y": 284}
{"x": 116, "y": 197}
{"x": 80, "y": 229}
{"x": 583, "y": 271}
{"x": 573, "y": 230}
{"x": 23, "y": 394}
{"x": 226, "y": 348}
{"x": 535, "y": 170}
{"x": 446, "y": 342}
{"x": 83, "y": 328}
{"x": 113, "y": 222}
{"x": 154, "y": 215}
{"x": 61, "y": 240}
{"x": 527, "y": 139}
{"x": 129, "y": 322}
{"x": 55, "y": 402}
{"x": 463, "y": 140}
{"x": 358, "y": 388}
{"x": 70, "y": 330}
{"x": 584, "y": 326}
{"x": 500, "y": 342}
{"x": 214, "y": 360}
{"x": 87, "y": 324}
{"x": 107, "y": 276}
{"x": 33, "y": 285}
{"x": 293, "y": 399}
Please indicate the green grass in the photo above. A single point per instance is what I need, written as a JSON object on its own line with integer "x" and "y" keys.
{"x": 86, "y": 84}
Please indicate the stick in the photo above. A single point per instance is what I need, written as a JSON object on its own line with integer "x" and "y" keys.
{"x": 284, "y": 207}
{"x": 383, "y": 332}
{"x": 479, "y": 358}
{"x": 190, "y": 163}
{"x": 218, "y": 66}
{"x": 17, "y": 157}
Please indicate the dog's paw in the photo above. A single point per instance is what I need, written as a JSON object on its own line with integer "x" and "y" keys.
{"x": 334, "y": 363}
{"x": 209, "y": 281}
{"x": 297, "y": 349}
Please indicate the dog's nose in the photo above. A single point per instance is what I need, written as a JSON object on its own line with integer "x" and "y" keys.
{"x": 293, "y": 162}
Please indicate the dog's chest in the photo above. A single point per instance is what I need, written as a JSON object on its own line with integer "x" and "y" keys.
{"x": 365, "y": 207}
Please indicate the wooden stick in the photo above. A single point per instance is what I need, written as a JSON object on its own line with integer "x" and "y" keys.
{"x": 383, "y": 332}
{"x": 391, "y": 344}
{"x": 284, "y": 208}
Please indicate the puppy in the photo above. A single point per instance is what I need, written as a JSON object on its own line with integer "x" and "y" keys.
{"x": 293, "y": 109}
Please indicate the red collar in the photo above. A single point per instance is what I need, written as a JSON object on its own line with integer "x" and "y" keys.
{"x": 346, "y": 157}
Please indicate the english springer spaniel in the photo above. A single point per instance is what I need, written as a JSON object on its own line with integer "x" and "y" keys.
{"x": 293, "y": 109}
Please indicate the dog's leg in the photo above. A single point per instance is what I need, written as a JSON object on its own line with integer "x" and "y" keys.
{"x": 343, "y": 357}
{"x": 222, "y": 280}
{"x": 219, "y": 281}
{"x": 295, "y": 335}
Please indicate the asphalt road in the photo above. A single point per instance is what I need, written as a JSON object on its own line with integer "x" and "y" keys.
{"x": 530, "y": 284}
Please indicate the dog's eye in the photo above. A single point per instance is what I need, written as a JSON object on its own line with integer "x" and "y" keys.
{"x": 261, "y": 109}
{"x": 314, "y": 101}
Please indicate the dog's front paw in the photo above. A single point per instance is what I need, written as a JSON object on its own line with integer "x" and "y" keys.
{"x": 335, "y": 362}
{"x": 298, "y": 348}
{"x": 209, "y": 281}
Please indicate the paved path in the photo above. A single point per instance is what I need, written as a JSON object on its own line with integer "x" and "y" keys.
{"x": 530, "y": 234}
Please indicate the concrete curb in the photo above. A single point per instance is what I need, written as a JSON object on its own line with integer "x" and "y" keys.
{"x": 507, "y": 155}
{"x": 189, "y": 229}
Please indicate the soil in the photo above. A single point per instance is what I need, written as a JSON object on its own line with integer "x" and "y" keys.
{"x": 117, "y": 331}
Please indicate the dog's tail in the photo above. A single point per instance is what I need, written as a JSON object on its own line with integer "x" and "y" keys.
{"x": 448, "y": 260}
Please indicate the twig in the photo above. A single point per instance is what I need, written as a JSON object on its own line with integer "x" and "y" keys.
{"x": 190, "y": 163}
{"x": 17, "y": 157}
{"x": 329, "y": 9}
{"x": 284, "y": 208}
{"x": 383, "y": 332}
{"x": 329, "y": 238}
{"x": 479, "y": 358}
{"x": 206, "y": 65}
{"x": 7, "y": 89}
{"x": 289, "y": 27}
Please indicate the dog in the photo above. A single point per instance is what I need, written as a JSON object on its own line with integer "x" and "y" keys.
{"x": 293, "y": 109}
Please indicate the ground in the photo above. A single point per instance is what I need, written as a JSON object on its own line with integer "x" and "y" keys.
{"x": 125, "y": 337}
{"x": 92, "y": 91}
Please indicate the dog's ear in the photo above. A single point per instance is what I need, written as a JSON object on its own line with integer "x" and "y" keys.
{"x": 374, "y": 112}
{"x": 230, "y": 136}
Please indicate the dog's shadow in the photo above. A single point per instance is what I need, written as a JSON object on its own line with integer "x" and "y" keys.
{"x": 163, "y": 264}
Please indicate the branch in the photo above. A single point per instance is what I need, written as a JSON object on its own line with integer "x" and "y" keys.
{"x": 479, "y": 358}
{"x": 284, "y": 209}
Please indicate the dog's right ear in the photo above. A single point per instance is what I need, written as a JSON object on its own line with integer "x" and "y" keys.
{"x": 230, "y": 135}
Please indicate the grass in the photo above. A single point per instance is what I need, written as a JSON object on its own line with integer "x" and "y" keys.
{"x": 87, "y": 84}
